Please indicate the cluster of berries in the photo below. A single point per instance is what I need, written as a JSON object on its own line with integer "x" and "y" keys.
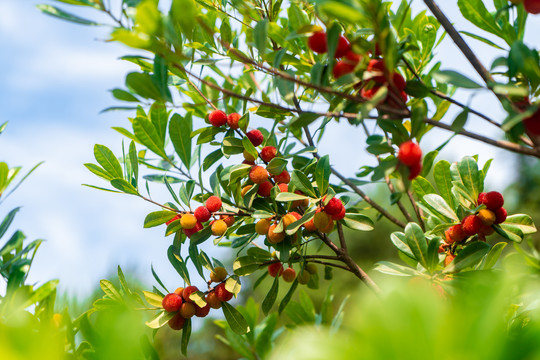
{"x": 376, "y": 73}
{"x": 193, "y": 222}
{"x": 180, "y": 302}
{"x": 410, "y": 155}
{"x": 479, "y": 224}
{"x": 323, "y": 221}
{"x": 276, "y": 270}
{"x": 377, "y": 78}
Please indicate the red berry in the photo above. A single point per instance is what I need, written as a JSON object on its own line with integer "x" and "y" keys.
{"x": 222, "y": 293}
{"x": 485, "y": 230}
{"x": 341, "y": 215}
{"x": 213, "y": 203}
{"x": 229, "y": 219}
{"x": 343, "y": 47}
{"x": 232, "y": 120}
{"x": 399, "y": 81}
{"x": 256, "y": 137}
{"x": 532, "y": 6}
{"x": 275, "y": 269}
{"x": 342, "y": 68}
{"x": 202, "y": 311}
{"x": 376, "y": 65}
{"x": 471, "y": 225}
{"x": 289, "y": 275}
{"x": 173, "y": 219}
{"x": 172, "y": 302}
{"x": 455, "y": 234}
{"x": 177, "y": 322}
{"x": 217, "y": 118}
{"x": 369, "y": 93}
{"x": 189, "y": 232}
{"x": 283, "y": 178}
{"x": 202, "y": 214}
{"x": 448, "y": 259}
{"x": 532, "y": 124}
{"x": 415, "y": 170}
{"x": 409, "y": 153}
{"x": 268, "y": 153}
{"x": 493, "y": 200}
{"x": 187, "y": 310}
{"x": 317, "y": 42}
{"x": 352, "y": 58}
{"x": 500, "y": 215}
{"x": 265, "y": 188}
{"x": 333, "y": 207}
{"x": 283, "y": 187}
{"x": 212, "y": 300}
{"x": 187, "y": 292}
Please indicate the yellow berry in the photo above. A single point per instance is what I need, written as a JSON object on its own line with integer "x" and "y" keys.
{"x": 219, "y": 274}
{"x": 303, "y": 277}
{"x": 245, "y": 189}
{"x": 322, "y": 220}
{"x": 219, "y": 227}
{"x": 262, "y": 226}
{"x": 487, "y": 216}
{"x": 188, "y": 221}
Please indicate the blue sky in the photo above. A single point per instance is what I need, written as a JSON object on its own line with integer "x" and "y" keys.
{"x": 55, "y": 81}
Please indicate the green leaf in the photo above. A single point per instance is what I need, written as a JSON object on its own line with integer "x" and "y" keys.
{"x": 178, "y": 263}
{"x": 304, "y": 119}
{"x": 389, "y": 268}
{"x": 134, "y": 161}
{"x": 235, "y": 319}
{"x": 263, "y": 342}
{"x": 322, "y": 174}
{"x": 302, "y": 183}
{"x": 469, "y": 256}
{"x": 124, "y": 186}
{"x": 157, "y": 218}
{"x": 288, "y": 296}
{"x": 180, "y": 133}
{"x": 271, "y": 296}
{"x": 470, "y": 176}
{"x": 417, "y": 243}
{"x": 153, "y": 299}
{"x": 245, "y": 265}
{"x": 456, "y": 79}
{"x": 123, "y": 95}
{"x": 99, "y": 171}
{"x": 475, "y": 11}
{"x": 159, "y": 118}
{"x": 105, "y": 157}
{"x": 110, "y": 290}
{"x": 148, "y": 136}
{"x": 186, "y": 334}
{"x": 433, "y": 255}
{"x": 260, "y": 36}
{"x": 185, "y": 13}
{"x": 358, "y": 222}
{"x": 56, "y": 12}
{"x": 160, "y": 319}
{"x": 276, "y": 166}
{"x": 460, "y": 120}
{"x": 142, "y": 84}
{"x": 422, "y": 187}
{"x": 521, "y": 221}
{"x": 287, "y": 196}
{"x": 232, "y": 146}
{"x": 400, "y": 241}
{"x": 439, "y": 205}
{"x": 493, "y": 255}
{"x": 443, "y": 180}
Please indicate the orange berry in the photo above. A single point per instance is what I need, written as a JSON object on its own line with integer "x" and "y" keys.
{"x": 258, "y": 174}
{"x": 245, "y": 189}
{"x": 219, "y": 274}
{"x": 187, "y": 310}
{"x": 274, "y": 237}
{"x": 232, "y": 120}
{"x": 219, "y": 227}
{"x": 177, "y": 322}
{"x": 229, "y": 219}
{"x": 212, "y": 300}
{"x": 187, "y": 292}
{"x": 188, "y": 221}
{"x": 487, "y": 216}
